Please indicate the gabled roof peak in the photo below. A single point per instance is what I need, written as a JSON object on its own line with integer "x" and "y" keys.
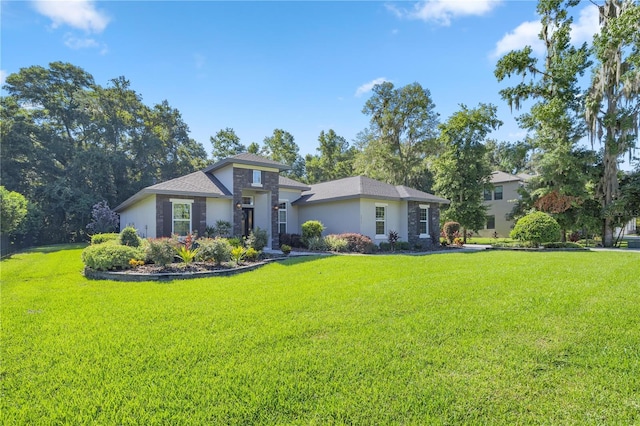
{"x": 248, "y": 159}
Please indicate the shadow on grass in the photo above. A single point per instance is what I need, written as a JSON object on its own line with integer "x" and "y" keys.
{"x": 297, "y": 260}
{"x": 55, "y": 248}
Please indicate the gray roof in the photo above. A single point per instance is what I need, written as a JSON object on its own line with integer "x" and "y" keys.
{"x": 288, "y": 183}
{"x": 196, "y": 184}
{"x": 500, "y": 177}
{"x": 249, "y": 160}
{"x": 363, "y": 187}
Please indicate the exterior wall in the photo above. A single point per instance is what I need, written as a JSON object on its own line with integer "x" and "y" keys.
{"x": 396, "y": 214}
{"x": 265, "y": 197}
{"x": 337, "y": 216}
{"x": 219, "y": 209}
{"x": 413, "y": 222}
{"x": 142, "y": 216}
{"x": 225, "y": 176}
{"x": 500, "y": 208}
{"x": 164, "y": 211}
{"x": 289, "y": 196}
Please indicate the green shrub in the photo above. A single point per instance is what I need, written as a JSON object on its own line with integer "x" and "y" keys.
{"x": 403, "y": 245}
{"x": 257, "y": 239}
{"x": 217, "y": 250}
{"x": 449, "y": 229}
{"x": 105, "y": 257}
{"x": 560, "y": 244}
{"x": 286, "y": 249}
{"x": 161, "y": 251}
{"x": 129, "y": 237}
{"x": 384, "y": 246}
{"x": 537, "y": 228}
{"x": 103, "y": 238}
{"x": 251, "y": 254}
{"x": 311, "y": 229}
{"x": 335, "y": 243}
{"x": 317, "y": 243}
{"x": 236, "y": 242}
{"x": 358, "y": 243}
{"x": 237, "y": 254}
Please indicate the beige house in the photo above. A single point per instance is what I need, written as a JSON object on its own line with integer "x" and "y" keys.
{"x": 500, "y": 202}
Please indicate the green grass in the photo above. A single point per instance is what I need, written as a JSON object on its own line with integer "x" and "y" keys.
{"x": 471, "y": 338}
{"x": 488, "y": 240}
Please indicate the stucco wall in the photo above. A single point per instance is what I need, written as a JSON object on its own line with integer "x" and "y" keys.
{"x": 142, "y": 216}
{"x": 396, "y": 219}
{"x": 500, "y": 208}
{"x": 337, "y": 217}
{"x": 219, "y": 209}
{"x": 293, "y": 223}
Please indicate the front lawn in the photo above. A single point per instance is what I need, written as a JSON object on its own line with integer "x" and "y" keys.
{"x": 473, "y": 338}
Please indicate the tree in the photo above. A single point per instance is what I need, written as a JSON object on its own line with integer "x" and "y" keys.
{"x": 334, "y": 162}
{"x": 103, "y": 219}
{"x": 554, "y": 122}
{"x": 509, "y": 157}
{"x": 462, "y": 171}
{"x": 226, "y": 144}
{"x": 613, "y": 100}
{"x": 13, "y": 210}
{"x": 282, "y": 148}
{"x": 401, "y": 135}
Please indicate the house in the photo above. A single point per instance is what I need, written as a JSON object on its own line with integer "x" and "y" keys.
{"x": 248, "y": 191}
{"x": 500, "y": 202}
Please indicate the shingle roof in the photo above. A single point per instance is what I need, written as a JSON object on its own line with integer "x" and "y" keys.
{"x": 363, "y": 187}
{"x": 285, "y": 182}
{"x": 499, "y": 177}
{"x": 197, "y": 184}
{"x": 248, "y": 159}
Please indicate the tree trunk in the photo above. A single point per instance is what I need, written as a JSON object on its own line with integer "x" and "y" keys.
{"x": 610, "y": 190}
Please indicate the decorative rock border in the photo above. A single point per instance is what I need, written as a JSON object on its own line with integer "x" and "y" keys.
{"x": 169, "y": 276}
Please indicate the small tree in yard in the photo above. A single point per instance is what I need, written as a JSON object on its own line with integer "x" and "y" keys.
{"x": 103, "y": 219}
{"x": 311, "y": 229}
{"x": 13, "y": 210}
{"x": 536, "y": 228}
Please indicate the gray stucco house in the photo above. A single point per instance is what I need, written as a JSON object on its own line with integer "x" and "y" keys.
{"x": 248, "y": 191}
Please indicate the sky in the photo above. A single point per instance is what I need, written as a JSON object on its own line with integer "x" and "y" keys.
{"x": 300, "y": 66}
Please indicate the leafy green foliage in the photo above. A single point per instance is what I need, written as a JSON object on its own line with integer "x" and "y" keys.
{"x": 236, "y": 242}
{"x": 251, "y": 254}
{"x": 161, "y": 251}
{"x": 335, "y": 160}
{"x": 129, "y": 237}
{"x": 560, "y": 244}
{"x": 226, "y": 144}
{"x": 13, "y": 209}
{"x": 282, "y": 148}
{"x": 215, "y": 249}
{"x": 311, "y": 229}
{"x": 317, "y": 244}
{"x": 286, "y": 249}
{"x": 103, "y": 238}
{"x": 186, "y": 254}
{"x": 105, "y": 257}
{"x": 358, "y": 243}
{"x": 237, "y": 254}
{"x": 536, "y": 227}
{"x": 336, "y": 243}
{"x": 257, "y": 239}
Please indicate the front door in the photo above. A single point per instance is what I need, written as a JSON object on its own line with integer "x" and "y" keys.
{"x": 247, "y": 221}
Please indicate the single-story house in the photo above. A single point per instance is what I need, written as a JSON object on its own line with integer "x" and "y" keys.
{"x": 248, "y": 191}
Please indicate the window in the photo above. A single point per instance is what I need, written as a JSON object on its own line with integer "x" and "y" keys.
{"x": 247, "y": 201}
{"x": 282, "y": 218}
{"x": 487, "y": 195}
{"x": 381, "y": 222}
{"x": 257, "y": 178}
{"x": 491, "y": 222}
{"x": 497, "y": 193}
{"x": 423, "y": 224}
{"x": 181, "y": 217}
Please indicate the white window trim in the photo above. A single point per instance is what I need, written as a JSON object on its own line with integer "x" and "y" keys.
{"x": 257, "y": 183}
{"x": 251, "y": 203}
{"x": 425, "y": 207}
{"x": 286, "y": 219}
{"x": 175, "y": 201}
{"x": 380, "y": 236}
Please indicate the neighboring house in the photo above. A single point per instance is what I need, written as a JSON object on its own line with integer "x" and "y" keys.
{"x": 500, "y": 202}
{"x": 248, "y": 191}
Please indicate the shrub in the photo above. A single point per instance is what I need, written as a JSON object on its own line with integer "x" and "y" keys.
{"x": 284, "y": 238}
{"x": 103, "y": 219}
{"x": 257, "y": 239}
{"x": 561, "y": 245}
{"x": 217, "y": 250}
{"x": 335, "y": 243}
{"x": 161, "y": 251}
{"x": 458, "y": 241}
{"x": 384, "y": 246}
{"x": 251, "y": 254}
{"x": 403, "y": 245}
{"x": 316, "y": 243}
{"x": 187, "y": 255}
{"x": 129, "y": 237}
{"x": 104, "y": 257}
{"x": 311, "y": 229}
{"x": 449, "y": 229}
{"x": 235, "y": 242}
{"x": 393, "y": 239}
{"x": 296, "y": 241}
{"x": 286, "y": 249}
{"x": 537, "y": 228}
{"x": 237, "y": 254}
{"x": 358, "y": 243}
{"x": 103, "y": 238}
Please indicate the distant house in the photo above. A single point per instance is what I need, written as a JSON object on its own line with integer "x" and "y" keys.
{"x": 500, "y": 202}
{"x": 248, "y": 191}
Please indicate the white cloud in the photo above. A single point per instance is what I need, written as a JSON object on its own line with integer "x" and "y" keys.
{"x": 368, "y": 86}
{"x": 3, "y": 77}
{"x": 586, "y": 25}
{"x": 443, "y": 11}
{"x": 80, "y": 14}
{"x": 526, "y": 34}
{"x": 77, "y": 43}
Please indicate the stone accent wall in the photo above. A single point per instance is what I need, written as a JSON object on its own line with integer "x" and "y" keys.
{"x": 413, "y": 223}
{"x": 242, "y": 179}
{"x": 164, "y": 211}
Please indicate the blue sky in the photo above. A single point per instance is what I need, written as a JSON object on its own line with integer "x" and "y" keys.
{"x": 299, "y": 66}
